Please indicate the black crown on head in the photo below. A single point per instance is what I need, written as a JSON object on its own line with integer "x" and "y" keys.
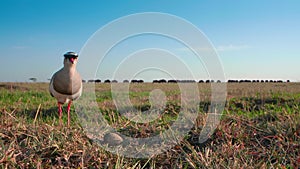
{"x": 70, "y": 55}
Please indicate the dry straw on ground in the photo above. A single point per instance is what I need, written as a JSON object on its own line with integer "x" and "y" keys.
{"x": 260, "y": 128}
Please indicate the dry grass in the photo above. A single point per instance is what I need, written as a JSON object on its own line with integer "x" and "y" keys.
{"x": 260, "y": 128}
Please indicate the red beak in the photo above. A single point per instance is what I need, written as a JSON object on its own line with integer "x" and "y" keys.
{"x": 72, "y": 60}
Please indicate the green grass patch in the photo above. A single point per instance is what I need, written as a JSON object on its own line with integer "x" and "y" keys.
{"x": 260, "y": 128}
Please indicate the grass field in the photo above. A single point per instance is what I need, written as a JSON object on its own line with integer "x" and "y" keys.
{"x": 259, "y": 128}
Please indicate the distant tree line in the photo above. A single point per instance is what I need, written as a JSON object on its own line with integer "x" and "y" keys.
{"x": 187, "y": 81}
{"x": 173, "y": 81}
{"x": 257, "y": 81}
{"x": 112, "y": 81}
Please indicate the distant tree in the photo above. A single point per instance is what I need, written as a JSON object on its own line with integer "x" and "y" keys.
{"x": 162, "y": 81}
{"x": 33, "y": 79}
{"x": 207, "y": 81}
{"x": 233, "y": 81}
{"x": 288, "y": 81}
{"x": 83, "y": 81}
{"x": 98, "y": 81}
{"x": 172, "y": 81}
{"x": 137, "y": 81}
{"x": 91, "y": 81}
{"x": 201, "y": 81}
{"x": 114, "y": 81}
{"x": 107, "y": 81}
{"x": 125, "y": 81}
{"x": 218, "y": 81}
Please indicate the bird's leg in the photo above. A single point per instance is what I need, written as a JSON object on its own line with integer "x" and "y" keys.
{"x": 68, "y": 109}
{"x": 59, "y": 113}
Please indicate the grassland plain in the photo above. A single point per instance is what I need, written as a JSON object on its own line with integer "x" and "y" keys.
{"x": 259, "y": 128}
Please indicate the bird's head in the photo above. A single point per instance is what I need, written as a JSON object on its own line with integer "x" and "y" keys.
{"x": 70, "y": 58}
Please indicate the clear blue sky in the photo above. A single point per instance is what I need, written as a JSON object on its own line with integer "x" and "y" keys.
{"x": 257, "y": 39}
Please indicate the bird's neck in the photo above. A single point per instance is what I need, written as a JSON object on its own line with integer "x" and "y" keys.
{"x": 70, "y": 69}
